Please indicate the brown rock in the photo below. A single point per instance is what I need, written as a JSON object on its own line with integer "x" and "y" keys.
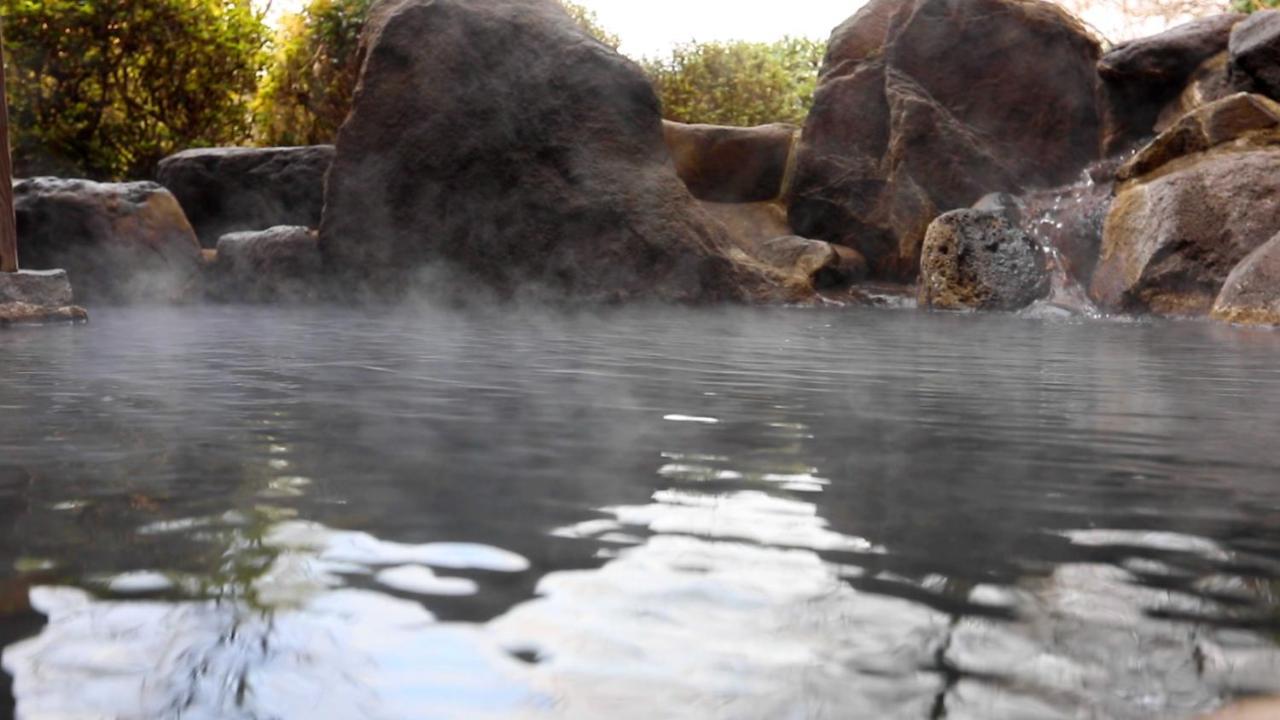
{"x": 1255, "y": 709}
{"x": 1243, "y": 119}
{"x": 979, "y": 260}
{"x": 1140, "y": 78}
{"x": 731, "y": 164}
{"x": 20, "y": 313}
{"x": 1251, "y": 293}
{"x": 901, "y": 130}
{"x": 498, "y": 145}
{"x": 117, "y": 241}
{"x": 1209, "y": 83}
{"x": 1255, "y": 53}
{"x": 278, "y": 264}
{"x": 761, "y": 231}
{"x": 1172, "y": 238}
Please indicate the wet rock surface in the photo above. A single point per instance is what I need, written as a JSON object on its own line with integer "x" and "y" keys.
{"x": 278, "y": 264}
{"x": 1171, "y": 241}
{"x": 1244, "y": 120}
{"x": 979, "y": 260}
{"x": 900, "y": 132}
{"x": 37, "y": 287}
{"x": 226, "y": 190}
{"x": 118, "y": 242}
{"x": 21, "y": 313}
{"x": 1141, "y": 77}
{"x": 1255, "y": 53}
{"x": 731, "y": 164}
{"x": 545, "y": 173}
{"x": 1251, "y": 293}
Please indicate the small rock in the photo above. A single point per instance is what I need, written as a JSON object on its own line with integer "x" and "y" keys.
{"x": 978, "y": 260}
{"x": 20, "y": 313}
{"x": 36, "y": 287}
{"x": 1251, "y": 293}
{"x": 281, "y": 263}
{"x": 1255, "y": 52}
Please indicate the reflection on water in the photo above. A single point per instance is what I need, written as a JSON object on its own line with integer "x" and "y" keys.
{"x": 740, "y": 513}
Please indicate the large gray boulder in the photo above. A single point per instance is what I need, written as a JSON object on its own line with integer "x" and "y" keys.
{"x": 226, "y": 190}
{"x": 118, "y": 242}
{"x": 920, "y": 110}
{"x": 498, "y": 145}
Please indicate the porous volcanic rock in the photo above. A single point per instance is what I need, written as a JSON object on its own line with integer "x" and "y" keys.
{"x": 226, "y": 190}
{"x": 277, "y": 264}
{"x": 1251, "y": 293}
{"x": 1255, "y": 53}
{"x": 731, "y": 164}
{"x": 1142, "y": 77}
{"x": 498, "y": 145}
{"x": 979, "y": 260}
{"x": 919, "y": 110}
{"x": 118, "y": 242}
{"x": 1172, "y": 237}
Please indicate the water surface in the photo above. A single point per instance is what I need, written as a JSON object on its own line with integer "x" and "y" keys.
{"x": 735, "y": 513}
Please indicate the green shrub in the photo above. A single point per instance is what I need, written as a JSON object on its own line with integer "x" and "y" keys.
{"x": 738, "y": 83}
{"x": 1253, "y": 5}
{"x": 106, "y": 88}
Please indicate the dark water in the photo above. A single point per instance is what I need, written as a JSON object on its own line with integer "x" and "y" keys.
{"x": 224, "y": 513}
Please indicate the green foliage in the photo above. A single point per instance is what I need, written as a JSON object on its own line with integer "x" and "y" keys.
{"x": 1249, "y": 6}
{"x": 591, "y": 23}
{"x": 738, "y": 83}
{"x": 307, "y": 91}
{"x": 106, "y": 88}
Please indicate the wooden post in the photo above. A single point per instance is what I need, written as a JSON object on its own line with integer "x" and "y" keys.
{"x": 8, "y": 223}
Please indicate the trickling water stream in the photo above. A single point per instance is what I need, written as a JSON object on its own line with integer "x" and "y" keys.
{"x": 737, "y": 513}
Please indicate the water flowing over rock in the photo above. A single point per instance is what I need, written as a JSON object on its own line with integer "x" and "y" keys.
{"x": 1142, "y": 77}
{"x": 281, "y": 263}
{"x": 1255, "y": 53}
{"x": 1172, "y": 237}
{"x": 980, "y": 260}
{"x": 498, "y": 145}
{"x": 731, "y": 164}
{"x": 226, "y": 190}
{"x": 920, "y": 110}
{"x": 117, "y": 241}
{"x": 1251, "y": 294}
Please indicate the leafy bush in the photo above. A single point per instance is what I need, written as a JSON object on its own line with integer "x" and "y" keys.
{"x": 738, "y": 83}
{"x": 106, "y": 88}
{"x": 309, "y": 85}
{"x": 1253, "y": 5}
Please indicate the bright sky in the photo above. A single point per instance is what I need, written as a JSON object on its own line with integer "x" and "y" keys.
{"x": 653, "y": 27}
